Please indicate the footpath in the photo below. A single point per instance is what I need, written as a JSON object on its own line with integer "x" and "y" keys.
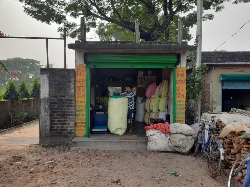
{"x": 27, "y": 134}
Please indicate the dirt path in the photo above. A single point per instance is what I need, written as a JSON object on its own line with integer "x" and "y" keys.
{"x": 23, "y": 165}
{"x": 63, "y": 166}
{"x": 26, "y": 135}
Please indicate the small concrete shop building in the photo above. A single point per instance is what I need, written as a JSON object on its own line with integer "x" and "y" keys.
{"x": 70, "y": 99}
{"x": 228, "y": 81}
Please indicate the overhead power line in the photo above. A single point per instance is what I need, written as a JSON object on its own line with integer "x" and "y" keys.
{"x": 233, "y": 34}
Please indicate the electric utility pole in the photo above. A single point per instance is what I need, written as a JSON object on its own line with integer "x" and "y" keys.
{"x": 199, "y": 38}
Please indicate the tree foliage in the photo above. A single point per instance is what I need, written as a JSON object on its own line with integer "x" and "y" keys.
{"x": 35, "y": 92}
{"x": 3, "y": 67}
{"x": 195, "y": 85}
{"x": 19, "y": 68}
{"x": 158, "y": 18}
{"x": 23, "y": 89}
{"x": 11, "y": 92}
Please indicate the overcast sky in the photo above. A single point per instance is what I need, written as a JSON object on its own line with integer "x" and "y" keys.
{"x": 15, "y": 22}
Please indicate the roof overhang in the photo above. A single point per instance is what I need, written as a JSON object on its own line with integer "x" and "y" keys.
{"x": 129, "y": 47}
{"x": 229, "y": 63}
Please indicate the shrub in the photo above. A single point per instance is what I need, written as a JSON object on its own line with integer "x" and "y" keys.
{"x": 11, "y": 92}
{"x": 31, "y": 115}
{"x": 35, "y": 92}
{"x": 18, "y": 118}
{"x": 23, "y": 90}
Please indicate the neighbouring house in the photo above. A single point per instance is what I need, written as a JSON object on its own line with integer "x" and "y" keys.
{"x": 73, "y": 100}
{"x": 228, "y": 81}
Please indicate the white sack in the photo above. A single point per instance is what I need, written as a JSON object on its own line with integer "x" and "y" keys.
{"x": 196, "y": 127}
{"x": 157, "y": 90}
{"x": 227, "y": 118}
{"x": 177, "y": 128}
{"x": 162, "y": 115}
{"x": 117, "y": 115}
{"x": 182, "y": 143}
{"x": 157, "y": 141}
{"x": 140, "y": 112}
{"x": 235, "y": 126}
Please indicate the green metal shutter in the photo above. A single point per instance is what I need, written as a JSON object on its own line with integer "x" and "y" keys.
{"x": 235, "y": 77}
{"x": 131, "y": 60}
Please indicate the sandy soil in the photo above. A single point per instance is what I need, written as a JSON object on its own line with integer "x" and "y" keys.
{"x": 65, "y": 166}
{"x": 27, "y": 134}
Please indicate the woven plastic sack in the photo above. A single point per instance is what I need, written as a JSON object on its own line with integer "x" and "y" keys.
{"x": 162, "y": 115}
{"x": 140, "y": 112}
{"x": 157, "y": 141}
{"x": 182, "y": 143}
{"x": 146, "y": 118}
{"x": 163, "y": 104}
{"x": 117, "y": 115}
{"x": 154, "y": 103}
{"x": 163, "y": 89}
{"x": 147, "y": 105}
{"x": 178, "y": 128}
{"x": 157, "y": 90}
{"x": 150, "y": 90}
{"x": 153, "y": 115}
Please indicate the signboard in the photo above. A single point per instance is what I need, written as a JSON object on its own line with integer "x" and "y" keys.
{"x": 180, "y": 94}
{"x": 80, "y": 100}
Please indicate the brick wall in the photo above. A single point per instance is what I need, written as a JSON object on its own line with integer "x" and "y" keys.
{"x": 8, "y": 107}
{"x": 205, "y": 100}
{"x": 57, "y": 119}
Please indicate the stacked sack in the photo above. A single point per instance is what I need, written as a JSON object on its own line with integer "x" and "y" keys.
{"x": 171, "y": 138}
{"x": 163, "y": 127}
{"x": 156, "y": 102}
{"x": 158, "y": 137}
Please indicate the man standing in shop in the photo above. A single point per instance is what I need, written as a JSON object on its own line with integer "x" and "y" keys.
{"x": 130, "y": 95}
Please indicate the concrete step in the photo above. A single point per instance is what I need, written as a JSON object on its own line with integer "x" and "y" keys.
{"x": 110, "y": 144}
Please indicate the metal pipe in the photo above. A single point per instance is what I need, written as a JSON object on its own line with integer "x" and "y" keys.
{"x": 47, "y": 52}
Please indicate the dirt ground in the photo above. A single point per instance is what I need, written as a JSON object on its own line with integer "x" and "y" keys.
{"x": 35, "y": 166}
{"x": 64, "y": 166}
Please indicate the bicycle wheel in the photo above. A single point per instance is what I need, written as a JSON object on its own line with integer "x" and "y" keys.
{"x": 197, "y": 143}
{"x": 236, "y": 175}
{"x": 214, "y": 160}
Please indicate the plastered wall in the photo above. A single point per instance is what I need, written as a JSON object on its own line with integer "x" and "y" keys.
{"x": 215, "y": 84}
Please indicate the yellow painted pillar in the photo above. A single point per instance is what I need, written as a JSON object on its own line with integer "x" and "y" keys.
{"x": 180, "y": 94}
{"x": 80, "y": 100}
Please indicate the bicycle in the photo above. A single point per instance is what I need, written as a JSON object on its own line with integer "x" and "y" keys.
{"x": 238, "y": 177}
{"x": 210, "y": 146}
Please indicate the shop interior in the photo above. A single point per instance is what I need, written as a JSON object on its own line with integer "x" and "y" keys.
{"x": 106, "y": 81}
{"x": 235, "y": 98}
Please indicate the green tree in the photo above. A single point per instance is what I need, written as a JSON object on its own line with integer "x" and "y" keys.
{"x": 35, "y": 92}
{"x": 157, "y": 18}
{"x": 195, "y": 86}
{"x": 11, "y": 92}
{"x": 2, "y": 66}
{"x": 23, "y": 90}
{"x": 19, "y": 68}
